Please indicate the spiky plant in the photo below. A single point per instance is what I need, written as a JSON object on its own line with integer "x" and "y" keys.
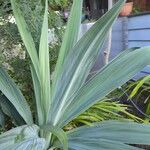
{"x": 69, "y": 95}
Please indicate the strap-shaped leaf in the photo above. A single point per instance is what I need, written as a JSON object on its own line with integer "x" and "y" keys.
{"x": 25, "y": 137}
{"x": 44, "y": 65}
{"x": 25, "y": 34}
{"x": 99, "y": 145}
{"x": 59, "y": 133}
{"x": 80, "y": 60}
{"x": 30, "y": 144}
{"x": 115, "y": 74}
{"x": 2, "y": 118}
{"x": 117, "y": 131}
{"x": 10, "y": 110}
{"x": 71, "y": 35}
{"x": 8, "y": 138}
{"x": 14, "y": 95}
{"x": 37, "y": 92}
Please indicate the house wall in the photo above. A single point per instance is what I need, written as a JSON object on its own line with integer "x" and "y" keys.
{"x": 133, "y": 31}
{"x": 139, "y": 31}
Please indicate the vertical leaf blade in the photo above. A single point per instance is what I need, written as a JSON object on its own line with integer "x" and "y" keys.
{"x": 71, "y": 35}
{"x": 26, "y": 35}
{"x": 44, "y": 65}
{"x": 80, "y": 60}
{"x": 37, "y": 93}
{"x": 14, "y": 95}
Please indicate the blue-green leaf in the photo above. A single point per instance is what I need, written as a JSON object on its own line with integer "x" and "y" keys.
{"x": 14, "y": 95}
{"x": 44, "y": 65}
{"x": 22, "y": 138}
{"x": 10, "y": 110}
{"x": 26, "y": 35}
{"x": 80, "y": 60}
{"x": 117, "y": 131}
{"x": 115, "y": 74}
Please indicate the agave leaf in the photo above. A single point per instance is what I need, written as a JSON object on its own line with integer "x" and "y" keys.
{"x": 123, "y": 132}
{"x": 80, "y": 60}
{"x": 10, "y": 110}
{"x": 44, "y": 65}
{"x": 14, "y": 95}
{"x": 2, "y": 118}
{"x": 26, "y": 35}
{"x": 26, "y": 136}
{"x": 115, "y": 74}
{"x": 8, "y": 138}
{"x": 37, "y": 92}
{"x": 99, "y": 144}
{"x": 71, "y": 35}
{"x": 59, "y": 133}
{"x": 30, "y": 144}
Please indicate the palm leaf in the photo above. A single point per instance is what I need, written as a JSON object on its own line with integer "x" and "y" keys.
{"x": 14, "y": 95}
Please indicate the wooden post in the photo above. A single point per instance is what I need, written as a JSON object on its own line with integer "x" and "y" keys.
{"x": 108, "y": 48}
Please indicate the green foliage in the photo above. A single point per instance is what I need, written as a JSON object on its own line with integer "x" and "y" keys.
{"x": 12, "y": 51}
{"x": 68, "y": 95}
{"x": 140, "y": 90}
{"x": 59, "y": 4}
{"x": 106, "y": 109}
{"x": 136, "y": 10}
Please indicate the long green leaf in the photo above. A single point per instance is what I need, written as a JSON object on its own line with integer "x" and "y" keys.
{"x": 14, "y": 95}
{"x": 2, "y": 118}
{"x": 117, "y": 131}
{"x": 59, "y": 133}
{"x": 25, "y": 34}
{"x": 80, "y": 60}
{"x": 44, "y": 66}
{"x": 71, "y": 35}
{"x": 115, "y": 74}
{"x": 37, "y": 92}
{"x": 30, "y": 144}
{"x": 10, "y": 110}
{"x": 139, "y": 85}
{"x": 99, "y": 145}
{"x": 23, "y": 137}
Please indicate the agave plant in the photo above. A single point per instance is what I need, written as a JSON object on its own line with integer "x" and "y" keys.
{"x": 69, "y": 94}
